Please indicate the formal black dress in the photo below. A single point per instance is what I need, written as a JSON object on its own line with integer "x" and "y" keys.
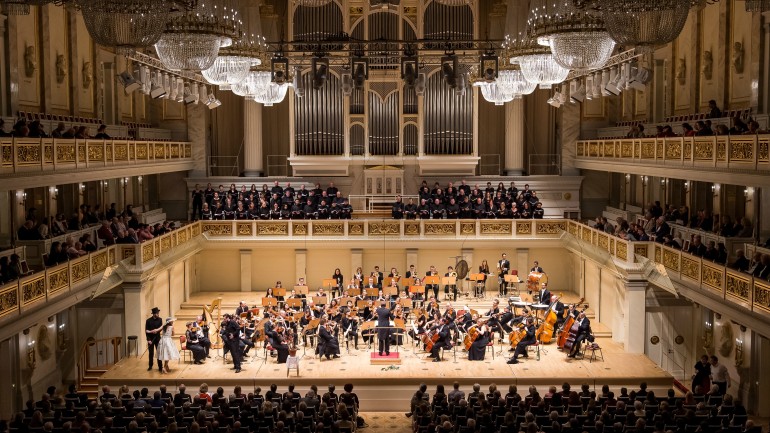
{"x": 479, "y": 348}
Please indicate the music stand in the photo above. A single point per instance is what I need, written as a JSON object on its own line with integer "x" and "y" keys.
{"x": 362, "y": 303}
{"x": 319, "y": 300}
{"x": 329, "y": 283}
{"x": 354, "y": 292}
{"x": 432, "y": 280}
{"x": 389, "y": 291}
{"x": 302, "y": 290}
{"x": 344, "y": 301}
{"x": 279, "y": 291}
{"x": 406, "y": 282}
{"x": 294, "y": 303}
{"x": 479, "y": 282}
{"x": 449, "y": 281}
{"x": 269, "y": 302}
{"x": 513, "y": 279}
{"x": 387, "y": 281}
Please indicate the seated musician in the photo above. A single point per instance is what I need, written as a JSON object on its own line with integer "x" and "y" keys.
{"x": 371, "y": 285}
{"x": 380, "y": 296}
{"x": 353, "y": 284}
{"x": 450, "y": 315}
{"x": 505, "y": 320}
{"x": 275, "y": 336}
{"x": 304, "y": 322}
{"x": 243, "y": 308}
{"x": 193, "y": 343}
{"x": 418, "y": 296}
{"x": 444, "y": 340}
{"x": 314, "y": 309}
{"x": 320, "y": 293}
{"x": 479, "y": 346}
{"x": 363, "y": 296}
{"x": 583, "y": 331}
{"x": 529, "y": 338}
{"x": 418, "y": 326}
{"x": 493, "y": 314}
{"x": 397, "y": 209}
{"x": 394, "y": 274}
{"x": 466, "y": 320}
{"x": 432, "y": 308}
{"x": 521, "y": 319}
{"x": 410, "y": 210}
{"x": 327, "y": 343}
{"x": 350, "y": 325}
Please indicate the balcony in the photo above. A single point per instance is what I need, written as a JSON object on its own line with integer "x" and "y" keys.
{"x": 740, "y": 159}
{"x": 34, "y": 160}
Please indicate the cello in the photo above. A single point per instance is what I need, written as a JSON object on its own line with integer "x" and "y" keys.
{"x": 470, "y": 337}
{"x": 517, "y": 335}
{"x": 430, "y": 338}
{"x": 544, "y": 332}
{"x": 564, "y": 331}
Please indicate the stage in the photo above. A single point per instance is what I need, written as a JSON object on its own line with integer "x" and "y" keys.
{"x": 389, "y": 387}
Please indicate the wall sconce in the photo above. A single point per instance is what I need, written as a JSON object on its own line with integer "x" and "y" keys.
{"x": 81, "y": 188}
{"x": 628, "y": 178}
{"x": 748, "y": 193}
{"x": 139, "y": 178}
{"x": 738, "y": 352}
{"x": 708, "y": 336}
{"x": 105, "y": 185}
{"x": 124, "y": 182}
{"x": 663, "y": 182}
{"x": 644, "y": 180}
{"x": 715, "y": 189}
{"x": 61, "y": 337}
{"x": 31, "y": 361}
{"x": 53, "y": 192}
{"x": 686, "y": 187}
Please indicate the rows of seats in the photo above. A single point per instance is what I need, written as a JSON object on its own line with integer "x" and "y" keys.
{"x": 141, "y": 411}
{"x": 630, "y": 122}
{"x": 741, "y": 114}
{"x": 30, "y": 116}
{"x": 136, "y": 125}
{"x": 568, "y": 410}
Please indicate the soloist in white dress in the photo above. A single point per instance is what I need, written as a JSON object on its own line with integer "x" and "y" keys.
{"x": 167, "y": 350}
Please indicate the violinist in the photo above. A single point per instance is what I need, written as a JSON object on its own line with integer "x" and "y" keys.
{"x": 203, "y": 333}
{"x": 243, "y": 308}
{"x": 380, "y": 296}
{"x": 275, "y": 336}
{"x": 340, "y": 281}
{"x": 304, "y": 322}
{"x": 479, "y": 346}
{"x": 193, "y": 343}
{"x": 333, "y": 311}
{"x": 314, "y": 310}
{"x": 450, "y": 315}
{"x": 417, "y": 297}
{"x": 444, "y": 340}
{"x": 529, "y": 338}
{"x": 418, "y": 326}
{"x": 521, "y": 319}
{"x": 350, "y": 325}
{"x": 402, "y": 297}
{"x": 432, "y": 308}
{"x": 466, "y": 320}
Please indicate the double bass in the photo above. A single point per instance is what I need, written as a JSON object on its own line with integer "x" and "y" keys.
{"x": 566, "y": 328}
{"x": 544, "y": 332}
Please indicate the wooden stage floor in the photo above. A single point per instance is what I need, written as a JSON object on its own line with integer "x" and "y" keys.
{"x": 617, "y": 369}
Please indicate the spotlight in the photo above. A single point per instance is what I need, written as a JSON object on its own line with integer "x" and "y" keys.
{"x": 299, "y": 88}
{"x": 130, "y": 84}
{"x": 639, "y": 78}
{"x": 347, "y": 84}
{"x": 156, "y": 91}
{"x": 449, "y": 70}
{"x": 605, "y": 82}
{"x": 359, "y": 66}
{"x": 279, "y": 68}
{"x": 419, "y": 85}
{"x": 577, "y": 92}
{"x": 189, "y": 98}
{"x": 612, "y": 87}
{"x": 489, "y": 66}
{"x": 557, "y": 100}
{"x": 320, "y": 71}
{"x": 462, "y": 84}
{"x": 212, "y": 102}
{"x": 409, "y": 67}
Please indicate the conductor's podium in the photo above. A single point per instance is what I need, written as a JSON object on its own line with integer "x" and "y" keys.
{"x": 392, "y": 359}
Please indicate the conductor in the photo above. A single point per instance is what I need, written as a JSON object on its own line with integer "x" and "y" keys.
{"x": 383, "y": 328}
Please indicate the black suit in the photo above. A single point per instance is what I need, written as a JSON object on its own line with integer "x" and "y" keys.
{"x": 383, "y": 332}
{"x": 443, "y": 341}
{"x": 327, "y": 343}
{"x": 280, "y": 347}
{"x": 521, "y": 348}
{"x": 584, "y": 329}
{"x": 150, "y": 324}
{"x": 545, "y": 296}
{"x": 504, "y": 266}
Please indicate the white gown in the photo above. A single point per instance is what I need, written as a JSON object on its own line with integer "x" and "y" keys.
{"x": 167, "y": 350}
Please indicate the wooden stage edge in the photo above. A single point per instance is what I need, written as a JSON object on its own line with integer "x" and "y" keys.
{"x": 389, "y": 387}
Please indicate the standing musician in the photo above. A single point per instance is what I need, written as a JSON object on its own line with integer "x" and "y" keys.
{"x": 444, "y": 340}
{"x": 493, "y": 316}
{"x": 584, "y": 329}
{"x": 450, "y": 272}
{"x": 327, "y": 343}
{"x": 479, "y": 346}
{"x": 203, "y": 333}
{"x": 232, "y": 340}
{"x": 243, "y": 307}
{"x": 151, "y": 326}
{"x": 340, "y": 281}
{"x": 431, "y": 273}
{"x": 193, "y": 343}
{"x": 503, "y": 266}
{"x": 481, "y": 285}
{"x": 411, "y": 273}
{"x": 521, "y": 348}
{"x": 536, "y": 268}
{"x": 359, "y": 275}
{"x": 384, "y": 315}
{"x": 558, "y": 308}
{"x": 378, "y": 275}
{"x": 275, "y": 336}
{"x": 545, "y": 295}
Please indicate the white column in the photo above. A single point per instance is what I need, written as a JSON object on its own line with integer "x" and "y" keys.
{"x": 514, "y": 137}
{"x": 301, "y": 265}
{"x": 356, "y": 260}
{"x": 635, "y": 315}
{"x": 245, "y": 270}
{"x": 197, "y": 118}
{"x": 252, "y": 139}
{"x": 135, "y": 313}
{"x": 411, "y": 257}
{"x": 570, "y": 133}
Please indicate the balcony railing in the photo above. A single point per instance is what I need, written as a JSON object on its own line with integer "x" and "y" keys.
{"x": 740, "y": 152}
{"x": 30, "y": 155}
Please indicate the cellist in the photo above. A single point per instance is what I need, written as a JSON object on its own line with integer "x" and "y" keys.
{"x": 529, "y": 338}
{"x": 479, "y": 346}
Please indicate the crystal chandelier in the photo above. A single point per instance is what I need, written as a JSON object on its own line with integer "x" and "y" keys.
{"x": 125, "y": 25}
{"x": 578, "y": 39}
{"x": 513, "y": 80}
{"x": 454, "y": 2}
{"x": 274, "y": 93}
{"x": 537, "y": 63}
{"x": 494, "y": 92}
{"x": 312, "y": 3}
{"x": 644, "y": 24}
{"x": 757, "y": 5}
{"x": 234, "y": 62}
{"x": 192, "y": 40}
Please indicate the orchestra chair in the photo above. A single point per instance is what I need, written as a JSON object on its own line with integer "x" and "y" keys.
{"x": 491, "y": 347}
{"x": 183, "y": 350}
{"x": 593, "y": 347}
{"x": 536, "y": 347}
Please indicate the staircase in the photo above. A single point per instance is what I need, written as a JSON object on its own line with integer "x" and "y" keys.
{"x": 96, "y": 357}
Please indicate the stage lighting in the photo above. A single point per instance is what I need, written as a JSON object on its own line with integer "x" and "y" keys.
{"x": 419, "y": 85}
{"x": 577, "y": 92}
{"x": 449, "y": 67}
{"x": 489, "y": 66}
{"x": 409, "y": 68}
{"x": 156, "y": 90}
{"x": 359, "y": 66}
{"x": 347, "y": 84}
{"x": 212, "y": 102}
{"x": 320, "y": 71}
{"x": 639, "y": 78}
{"x": 299, "y": 86}
{"x": 279, "y": 68}
{"x": 130, "y": 84}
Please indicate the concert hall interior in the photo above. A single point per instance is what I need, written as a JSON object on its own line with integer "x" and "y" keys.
{"x": 514, "y": 192}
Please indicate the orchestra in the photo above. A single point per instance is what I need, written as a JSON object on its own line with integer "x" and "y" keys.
{"x": 384, "y": 313}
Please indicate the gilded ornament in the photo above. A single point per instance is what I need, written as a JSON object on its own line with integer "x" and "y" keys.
{"x": 609, "y": 149}
{"x": 704, "y": 150}
{"x": 761, "y": 295}
{"x": 82, "y": 153}
{"x": 523, "y": 228}
{"x": 48, "y": 153}
{"x": 640, "y": 250}
{"x": 65, "y": 153}
{"x": 9, "y": 300}
{"x": 572, "y": 227}
{"x": 690, "y": 268}
{"x": 187, "y": 150}
{"x": 580, "y": 149}
{"x": 355, "y": 228}
{"x": 712, "y": 277}
{"x": 272, "y": 229}
{"x": 626, "y": 149}
{"x": 721, "y": 150}
{"x": 762, "y": 153}
{"x": 593, "y": 149}
{"x": 383, "y": 228}
{"x": 603, "y": 241}
{"x": 244, "y": 229}
{"x": 165, "y": 244}
{"x": 737, "y": 286}
{"x": 7, "y": 155}
{"x": 32, "y": 290}
{"x": 141, "y": 151}
{"x": 218, "y": 229}
{"x": 496, "y": 228}
{"x": 98, "y": 262}
{"x": 160, "y": 151}
{"x": 181, "y": 237}
{"x": 621, "y": 250}
{"x": 658, "y": 254}
{"x": 95, "y": 152}
{"x": 467, "y": 228}
{"x": 439, "y": 229}
{"x": 673, "y": 150}
{"x": 412, "y": 228}
{"x": 585, "y": 234}
{"x": 128, "y": 253}
{"x": 687, "y": 149}
{"x": 111, "y": 256}
{"x": 58, "y": 280}
{"x": 659, "y": 149}
{"x": 196, "y": 230}
{"x": 174, "y": 151}
{"x": 109, "y": 153}
{"x": 648, "y": 149}
{"x": 741, "y": 151}
{"x": 328, "y": 229}
{"x": 79, "y": 270}
{"x": 671, "y": 260}
{"x": 549, "y": 228}
{"x": 148, "y": 252}
{"x": 27, "y": 154}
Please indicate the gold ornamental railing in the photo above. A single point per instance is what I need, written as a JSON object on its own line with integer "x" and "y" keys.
{"x": 744, "y": 152}
{"x": 24, "y": 155}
